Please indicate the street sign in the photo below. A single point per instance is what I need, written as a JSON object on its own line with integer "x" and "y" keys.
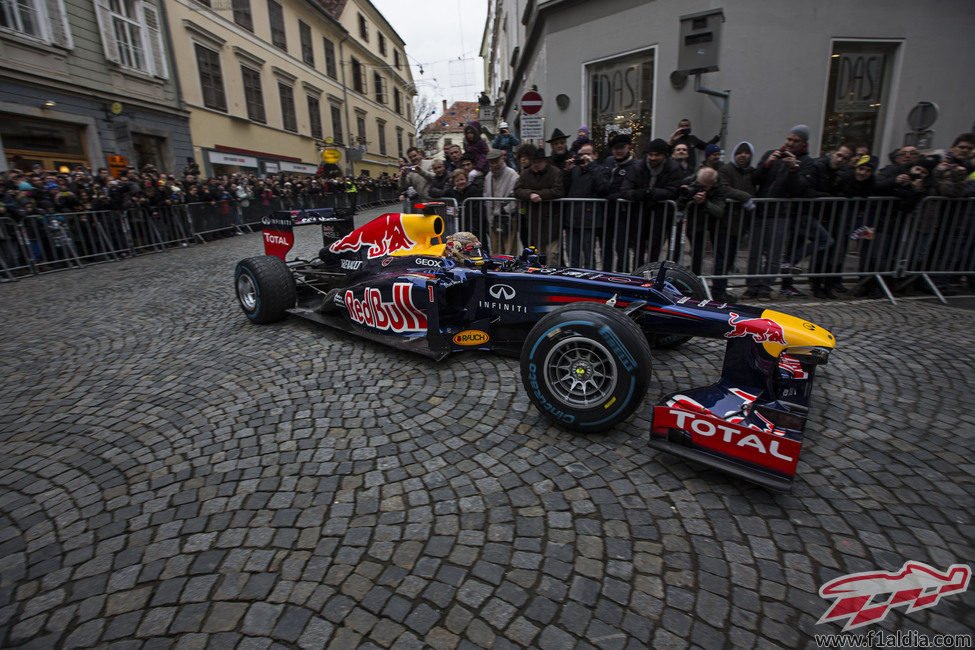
{"x": 531, "y": 102}
{"x": 532, "y": 127}
{"x": 331, "y": 155}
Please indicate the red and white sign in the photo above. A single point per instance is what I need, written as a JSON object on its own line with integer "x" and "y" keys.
{"x": 777, "y": 453}
{"x": 531, "y": 102}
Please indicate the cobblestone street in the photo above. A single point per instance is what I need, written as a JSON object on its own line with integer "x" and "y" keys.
{"x": 173, "y": 476}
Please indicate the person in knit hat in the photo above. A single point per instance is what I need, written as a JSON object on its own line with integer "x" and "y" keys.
{"x": 712, "y": 156}
{"x": 655, "y": 180}
{"x": 581, "y": 140}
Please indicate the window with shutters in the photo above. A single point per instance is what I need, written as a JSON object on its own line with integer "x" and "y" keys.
{"x": 382, "y": 45}
{"x": 397, "y": 101}
{"x": 131, "y": 35}
{"x": 360, "y": 123}
{"x": 363, "y": 28}
{"x": 288, "y": 119}
{"x": 276, "y": 19}
{"x": 330, "y": 68}
{"x": 380, "y": 84}
{"x": 43, "y": 20}
{"x": 315, "y": 117}
{"x": 211, "y": 79}
{"x": 304, "y": 35}
{"x": 253, "y": 94}
{"x": 399, "y": 142}
{"x": 358, "y": 77}
{"x": 242, "y": 14}
{"x": 396, "y": 59}
{"x": 381, "y": 127}
{"x": 336, "y": 113}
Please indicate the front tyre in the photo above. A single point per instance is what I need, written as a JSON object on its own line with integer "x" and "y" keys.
{"x": 265, "y": 288}
{"x": 687, "y": 283}
{"x": 586, "y": 366}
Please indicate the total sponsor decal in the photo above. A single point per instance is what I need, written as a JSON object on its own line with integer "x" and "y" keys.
{"x": 381, "y": 237}
{"x": 916, "y": 586}
{"x": 776, "y": 453}
{"x": 400, "y": 315}
{"x": 278, "y": 234}
{"x": 762, "y": 330}
{"x": 471, "y": 337}
{"x": 351, "y": 265}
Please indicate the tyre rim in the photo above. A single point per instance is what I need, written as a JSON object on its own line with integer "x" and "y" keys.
{"x": 580, "y": 372}
{"x": 247, "y": 292}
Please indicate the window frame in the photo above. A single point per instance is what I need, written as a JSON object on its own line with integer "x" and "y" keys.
{"x": 289, "y": 115}
{"x": 358, "y": 76}
{"x": 241, "y": 9}
{"x": 363, "y": 28}
{"x": 255, "y": 104}
{"x": 304, "y": 38}
{"x": 275, "y": 22}
{"x": 335, "y": 112}
{"x": 331, "y": 69}
{"x": 216, "y": 91}
{"x": 315, "y": 117}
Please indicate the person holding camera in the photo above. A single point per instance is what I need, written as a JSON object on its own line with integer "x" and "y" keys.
{"x": 704, "y": 202}
{"x": 415, "y": 175}
{"x": 506, "y": 142}
{"x": 584, "y": 178}
{"x": 684, "y": 136}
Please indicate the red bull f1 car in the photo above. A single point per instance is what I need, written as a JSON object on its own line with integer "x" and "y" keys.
{"x": 584, "y": 337}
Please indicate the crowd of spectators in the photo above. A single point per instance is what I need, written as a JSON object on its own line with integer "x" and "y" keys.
{"x": 37, "y": 191}
{"x": 665, "y": 170}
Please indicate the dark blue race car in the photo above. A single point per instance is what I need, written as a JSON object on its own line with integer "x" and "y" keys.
{"x": 584, "y": 337}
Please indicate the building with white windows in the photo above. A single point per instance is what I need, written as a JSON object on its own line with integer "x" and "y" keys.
{"x": 270, "y": 84}
{"x": 88, "y": 82}
{"x": 852, "y": 71}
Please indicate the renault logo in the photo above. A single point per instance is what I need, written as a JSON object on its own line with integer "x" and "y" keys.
{"x": 501, "y": 292}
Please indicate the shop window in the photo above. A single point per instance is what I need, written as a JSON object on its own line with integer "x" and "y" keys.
{"x": 621, "y": 97}
{"x": 856, "y": 98}
{"x": 211, "y": 78}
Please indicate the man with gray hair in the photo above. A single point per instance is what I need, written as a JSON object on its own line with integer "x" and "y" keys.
{"x": 502, "y": 220}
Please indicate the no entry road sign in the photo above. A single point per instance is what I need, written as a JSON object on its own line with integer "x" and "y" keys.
{"x": 531, "y": 102}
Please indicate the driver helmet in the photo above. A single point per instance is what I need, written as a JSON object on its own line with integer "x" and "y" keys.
{"x": 462, "y": 246}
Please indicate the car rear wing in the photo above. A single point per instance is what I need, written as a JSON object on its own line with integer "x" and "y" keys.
{"x": 278, "y": 227}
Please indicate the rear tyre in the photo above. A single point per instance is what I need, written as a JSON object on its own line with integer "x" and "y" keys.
{"x": 265, "y": 288}
{"x": 586, "y": 366}
{"x": 684, "y": 281}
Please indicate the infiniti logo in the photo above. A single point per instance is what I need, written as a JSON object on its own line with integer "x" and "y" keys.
{"x": 501, "y": 292}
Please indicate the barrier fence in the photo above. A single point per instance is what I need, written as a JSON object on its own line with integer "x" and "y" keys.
{"x": 768, "y": 239}
{"x": 40, "y": 244}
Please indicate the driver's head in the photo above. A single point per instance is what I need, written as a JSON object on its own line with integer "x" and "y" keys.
{"x": 462, "y": 246}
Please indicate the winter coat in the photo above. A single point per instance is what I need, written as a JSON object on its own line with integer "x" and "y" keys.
{"x": 666, "y": 184}
{"x": 618, "y": 171}
{"x": 776, "y": 180}
{"x": 478, "y": 149}
{"x": 507, "y": 143}
{"x": 740, "y": 178}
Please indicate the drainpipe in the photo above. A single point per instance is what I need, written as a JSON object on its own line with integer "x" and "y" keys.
{"x": 345, "y": 105}
{"x": 721, "y": 100}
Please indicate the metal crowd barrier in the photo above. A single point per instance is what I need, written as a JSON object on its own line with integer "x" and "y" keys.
{"x": 617, "y": 236}
{"x": 54, "y": 242}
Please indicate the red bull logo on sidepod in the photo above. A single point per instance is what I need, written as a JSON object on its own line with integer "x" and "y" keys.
{"x": 762, "y": 330}
{"x": 381, "y": 236}
{"x": 916, "y": 586}
{"x": 400, "y": 315}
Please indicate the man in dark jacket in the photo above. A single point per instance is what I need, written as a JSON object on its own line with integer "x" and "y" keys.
{"x": 655, "y": 180}
{"x": 560, "y": 149}
{"x": 781, "y": 173}
{"x": 683, "y": 136}
{"x": 536, "y": 187}
{"x": 585, "y": 179}
{"x": 619, "y": 165}
{"x": 827, "y": 177}
{"x": 737, "y": 173}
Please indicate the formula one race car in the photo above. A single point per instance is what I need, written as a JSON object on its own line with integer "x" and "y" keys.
{"x": 583, "y": 336}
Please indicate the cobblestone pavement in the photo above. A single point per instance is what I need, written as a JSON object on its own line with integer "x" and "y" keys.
{"x": 173, "y": 476}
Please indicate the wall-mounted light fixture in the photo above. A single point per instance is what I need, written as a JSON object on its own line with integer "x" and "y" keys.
{"x": 48, "y": 104}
